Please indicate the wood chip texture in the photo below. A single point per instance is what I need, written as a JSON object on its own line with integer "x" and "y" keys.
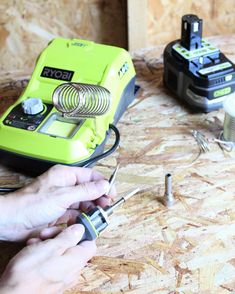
{"x": 27, "y": 26}
{"x": 164, "y": 18}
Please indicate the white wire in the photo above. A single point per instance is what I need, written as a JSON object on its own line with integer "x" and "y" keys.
{"x": 224, "y": 145}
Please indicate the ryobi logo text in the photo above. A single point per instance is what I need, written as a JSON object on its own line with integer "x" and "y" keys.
{"x": 57, "y": 73}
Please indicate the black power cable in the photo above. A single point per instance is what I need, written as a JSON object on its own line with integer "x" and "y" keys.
{"x": 93, "y": 160}
{"x": 8, "y": 189}
{"x": 86, "y": 163}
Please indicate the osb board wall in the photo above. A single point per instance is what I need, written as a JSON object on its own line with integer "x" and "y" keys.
{"x": 26, "y": 26}
{"x": 164, "y": 18}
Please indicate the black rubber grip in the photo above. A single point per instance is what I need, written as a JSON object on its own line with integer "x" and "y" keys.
{"x": 90, "y": 232}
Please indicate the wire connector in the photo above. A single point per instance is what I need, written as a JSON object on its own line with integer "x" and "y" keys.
{"x": 169, "y": 199}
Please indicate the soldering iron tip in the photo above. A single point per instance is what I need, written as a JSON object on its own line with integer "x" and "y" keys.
{"x": 130, "y": 194}
{"x": 116, "y": 169}
{"x": 113, "y": 177}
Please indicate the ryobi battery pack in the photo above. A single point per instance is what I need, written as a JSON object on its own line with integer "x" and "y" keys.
{"x": 76, "y": 95}
{"x": 196, "y": 71}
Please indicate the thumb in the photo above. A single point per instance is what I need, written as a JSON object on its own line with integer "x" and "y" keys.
{"x": 70, "y": 237}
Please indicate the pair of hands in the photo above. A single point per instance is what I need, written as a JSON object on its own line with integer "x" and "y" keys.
{"x": 33, "y": 213}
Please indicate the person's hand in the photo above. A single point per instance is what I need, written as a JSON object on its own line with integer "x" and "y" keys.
{"x": 52, "y": 198}
{"x": 50, "y": 266}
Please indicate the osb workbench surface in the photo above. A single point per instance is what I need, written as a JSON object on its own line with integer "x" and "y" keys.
{"x": 189, "y": 248}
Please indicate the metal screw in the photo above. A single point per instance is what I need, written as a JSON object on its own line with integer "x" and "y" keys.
{"x": 168, "y": 196}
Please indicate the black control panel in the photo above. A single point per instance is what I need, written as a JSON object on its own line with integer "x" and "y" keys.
{"x": 18, "y": 119}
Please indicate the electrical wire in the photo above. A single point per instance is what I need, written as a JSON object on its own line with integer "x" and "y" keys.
{"x": 93, "y": 160}
{"x": 8, "y": 189}
{"x": 224, "y": 145}
{"x": 202, "y": 141}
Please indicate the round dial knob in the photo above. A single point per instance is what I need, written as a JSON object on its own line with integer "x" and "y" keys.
{"x": 32, "y": 106}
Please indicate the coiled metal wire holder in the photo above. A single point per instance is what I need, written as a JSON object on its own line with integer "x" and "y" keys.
{"x": 77, "y": 100}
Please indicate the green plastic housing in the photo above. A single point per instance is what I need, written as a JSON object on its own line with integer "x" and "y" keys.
{"x": 92, "y": 64}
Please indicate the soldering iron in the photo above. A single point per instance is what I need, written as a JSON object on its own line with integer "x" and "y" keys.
{"x": 96, "y": 220}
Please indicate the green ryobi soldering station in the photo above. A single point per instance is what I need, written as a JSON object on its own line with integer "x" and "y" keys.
{"x": 76, "y": 95}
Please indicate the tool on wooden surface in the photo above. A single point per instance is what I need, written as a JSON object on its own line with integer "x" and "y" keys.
{"x": 169, "y": 199}
{"x": 75, "y": 97}
{"x": 96, "y": 220}
{"x": 195, "y": 70}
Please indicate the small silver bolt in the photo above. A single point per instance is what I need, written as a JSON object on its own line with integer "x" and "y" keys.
{"x": 168, "y": 196}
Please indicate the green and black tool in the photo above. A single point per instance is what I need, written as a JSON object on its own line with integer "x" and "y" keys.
{"x": 195, "y": 70}
{"x": 75, "y": 97}
{"x": 96, "y": 220}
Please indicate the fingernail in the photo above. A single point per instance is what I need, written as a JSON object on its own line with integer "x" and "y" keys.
{"x": 46, "y": 231}
{"x": 77, "y": 229}
{"x": 103, "y": 185}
